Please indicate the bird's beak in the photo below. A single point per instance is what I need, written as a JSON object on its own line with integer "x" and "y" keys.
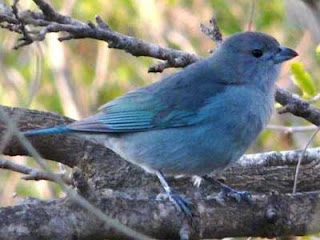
{"x": 284, "y": 54}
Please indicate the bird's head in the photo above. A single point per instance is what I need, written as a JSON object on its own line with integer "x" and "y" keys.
{"x": 252, "y": 56}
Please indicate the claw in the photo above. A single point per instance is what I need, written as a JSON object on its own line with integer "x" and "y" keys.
{"x": 236, "y": 195}
{"x": 180, "y": 203}
{"x": 228, "y": 192}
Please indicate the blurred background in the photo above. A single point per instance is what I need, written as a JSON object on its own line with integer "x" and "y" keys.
{"x": 75, "y": 77}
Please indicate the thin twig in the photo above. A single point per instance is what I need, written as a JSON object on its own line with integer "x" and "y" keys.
{"x": 33, "y": 86}
{"x": 26, "y": 39}
{"x": 297, "y": 106}
{"x": 213, "y": 32}
{"x": 32, "y": 173}
{"x": 315, "y": 98}
{"x": 252, "y": 11}
{"x": 294, "y": 189}
{"x": 294, "y": 129}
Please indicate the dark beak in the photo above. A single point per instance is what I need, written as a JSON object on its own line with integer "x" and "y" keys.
{"x": 284, "y": 54}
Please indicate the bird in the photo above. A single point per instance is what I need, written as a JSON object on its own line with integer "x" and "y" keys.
{"x": 196, "y": 121}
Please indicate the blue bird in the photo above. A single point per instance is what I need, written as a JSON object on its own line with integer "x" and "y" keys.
{"x": 198, "y": 120}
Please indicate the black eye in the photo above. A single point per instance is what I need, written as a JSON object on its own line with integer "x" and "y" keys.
{"x": 257, "y": 53}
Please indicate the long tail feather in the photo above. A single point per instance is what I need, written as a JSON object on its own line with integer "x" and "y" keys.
{"x": 47, "y": 131}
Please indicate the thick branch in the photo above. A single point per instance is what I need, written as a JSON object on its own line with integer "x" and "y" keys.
{"x": 264, "y": 172}
{"x": 268, "y": 216}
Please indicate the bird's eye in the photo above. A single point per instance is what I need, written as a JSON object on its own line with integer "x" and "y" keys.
{"x": 257, "y": 53}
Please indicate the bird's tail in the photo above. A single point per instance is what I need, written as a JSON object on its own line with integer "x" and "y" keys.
{"x": 47, "y": 131}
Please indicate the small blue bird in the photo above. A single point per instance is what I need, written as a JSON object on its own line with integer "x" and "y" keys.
{"x": 198, "y": 120}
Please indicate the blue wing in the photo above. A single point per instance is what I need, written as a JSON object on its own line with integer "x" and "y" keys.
{"x": 173, "y": 102}
{"x": 135, "y": 111}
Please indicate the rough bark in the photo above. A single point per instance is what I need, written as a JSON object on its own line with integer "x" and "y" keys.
{"x": 269, "y": 216}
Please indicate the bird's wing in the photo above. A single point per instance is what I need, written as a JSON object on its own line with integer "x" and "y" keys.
{"x": 172, "y": 102}
{"x": 133, "y": 112}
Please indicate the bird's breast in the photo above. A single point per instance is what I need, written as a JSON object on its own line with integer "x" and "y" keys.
{"x": 237, "y": 118}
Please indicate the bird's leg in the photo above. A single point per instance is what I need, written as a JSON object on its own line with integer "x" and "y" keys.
{"x": 180, "y": 203}
{"x": 227, "y": 191}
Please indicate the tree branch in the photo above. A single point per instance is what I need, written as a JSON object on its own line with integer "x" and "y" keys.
{"x": 213, "y": 31}
{"x": 297, "y": 106}
{"x": 268, "y": 216}
{"x": 51, "y": 21}
{"x": 32, "y": 173}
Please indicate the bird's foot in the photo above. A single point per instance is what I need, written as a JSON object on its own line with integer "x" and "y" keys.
{"x": 182, "y": 204}
{"x": 228, "y": 192}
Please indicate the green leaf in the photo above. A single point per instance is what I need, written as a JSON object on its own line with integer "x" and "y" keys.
{"x": 303, "y": 80}
{"x": 318, "y": 51}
